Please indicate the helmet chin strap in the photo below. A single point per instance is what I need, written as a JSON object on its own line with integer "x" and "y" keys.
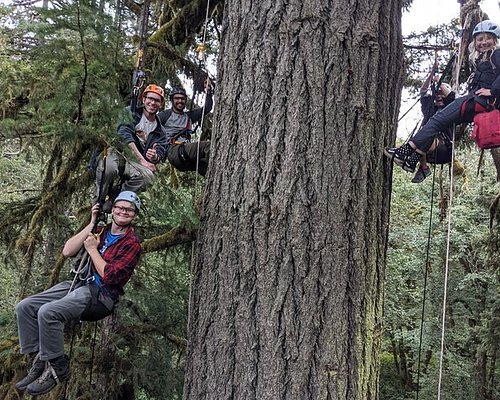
{"x": 119, "y": 225}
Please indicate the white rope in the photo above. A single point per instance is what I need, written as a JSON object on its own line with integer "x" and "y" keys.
{"x": 206, "y": 22}
{"x": 446, "y": 271}
{"x": 205, "y": 102}
{"x": 198, "y": 144}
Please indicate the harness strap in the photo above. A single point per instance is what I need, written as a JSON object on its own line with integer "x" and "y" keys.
{"x": 470, "y": 108}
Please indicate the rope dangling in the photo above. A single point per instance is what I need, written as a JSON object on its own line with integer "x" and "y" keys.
{"x": 139, "y": 77}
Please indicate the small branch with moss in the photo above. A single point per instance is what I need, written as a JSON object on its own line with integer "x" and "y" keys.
{"x": 174, "y": 237}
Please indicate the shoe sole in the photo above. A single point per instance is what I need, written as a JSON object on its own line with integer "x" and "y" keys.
{"x": 61, "y": 381}
{"x": 408, "y": 169}
{"x": 46, "y": 390}
{"x": 422, "y": 177}
{"x": 393, "y": 157}
{"x": 40, "y": 393}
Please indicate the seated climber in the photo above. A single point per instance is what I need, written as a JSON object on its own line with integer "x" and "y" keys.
{"x": 484, "y": 88}
{"x": 145, "y": 137}
{"x": 113, "y": 252}
{"x": 431, "y": 101}
{"x": 183, "y": 154}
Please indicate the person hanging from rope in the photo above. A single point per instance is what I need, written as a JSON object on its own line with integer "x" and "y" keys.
{"x": 484, "y": 88}
{"x": 113, "y": 252}
{"x": 143, "y": 134}
{"x": 183, "y": 154}
{"x": 432, "y": 100}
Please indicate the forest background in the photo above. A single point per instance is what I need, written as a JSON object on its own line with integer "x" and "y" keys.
{"x": 66, "y": 73}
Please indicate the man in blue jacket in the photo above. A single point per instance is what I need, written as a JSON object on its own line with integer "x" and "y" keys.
{"x": 146, "y": 140}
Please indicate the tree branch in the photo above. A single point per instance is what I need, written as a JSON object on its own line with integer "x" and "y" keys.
{"x": 174, "y": 237}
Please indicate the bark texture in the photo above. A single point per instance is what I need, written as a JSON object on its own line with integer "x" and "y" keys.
{"x": 286, "y": 296}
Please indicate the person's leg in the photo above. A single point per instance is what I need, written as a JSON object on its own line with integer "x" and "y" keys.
{"x": 198, "y": 151}
{"x": 409, "y": 155}
{"x": 179, "y": 157}
{"x": 27, "y": 321}
{"x": 51, "y": 319}
{"x": 439, "y": 122}
{"x": 53, "y": 315}
{"x": 138, "y": 177}
{"x": 27, "y": 315}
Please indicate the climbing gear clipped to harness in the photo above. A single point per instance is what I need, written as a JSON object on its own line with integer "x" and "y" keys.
{"x": 138, "y": 82}
{"x": 100, "y": 306}
{"x": 486, "y": 132}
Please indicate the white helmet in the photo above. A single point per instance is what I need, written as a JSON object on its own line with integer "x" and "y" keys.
{"x": 131, "y": 197}
{"x": 487, "y": 26}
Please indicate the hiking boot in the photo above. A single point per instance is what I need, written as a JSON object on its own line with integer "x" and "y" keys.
{"x": 56, "y": 371}
{"x": 35, "y": 371}
{"x": 399, "y": 154}
{"x": 421, "y": 174}
{"x": 411, "y": 162}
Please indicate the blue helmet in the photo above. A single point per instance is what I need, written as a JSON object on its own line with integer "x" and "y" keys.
{"x": 487, "y": 26}
{"x": 131, "y": 197}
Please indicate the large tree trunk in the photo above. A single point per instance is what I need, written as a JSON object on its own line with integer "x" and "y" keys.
{"x": 287, "y": 290}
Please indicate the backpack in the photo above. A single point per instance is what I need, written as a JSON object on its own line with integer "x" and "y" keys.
{"x": 486, "y": 132}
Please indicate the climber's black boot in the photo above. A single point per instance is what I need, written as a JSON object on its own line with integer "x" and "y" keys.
{"x": 56, "y": 371}
{"x": 37, "y": 367}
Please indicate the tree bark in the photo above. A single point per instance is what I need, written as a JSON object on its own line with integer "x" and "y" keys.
{"x": 495, "y": 154}
{"x": 286, "y": 297}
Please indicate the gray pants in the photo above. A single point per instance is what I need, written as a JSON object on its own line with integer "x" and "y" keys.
{"x": 41, "y": 318}
{"x": 137, "y": 177}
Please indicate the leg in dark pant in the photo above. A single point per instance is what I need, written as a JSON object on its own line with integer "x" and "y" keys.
{"x": 439, "y": 122}
{"x": 184, "y": 156}
{"x": 199, "y": 151}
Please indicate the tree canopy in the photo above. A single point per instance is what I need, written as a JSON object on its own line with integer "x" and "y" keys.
{"x": 67, "y": 69}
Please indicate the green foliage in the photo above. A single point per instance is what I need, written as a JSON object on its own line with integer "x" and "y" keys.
{"x": 66, "y": 73}
{"x": 472, "y": 294}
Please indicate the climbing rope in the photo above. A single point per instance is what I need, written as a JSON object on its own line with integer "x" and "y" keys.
{"x": 139, "y": 77}
{"x": 426, "y": 275}
{"x": 201, "y": 58}
{"x": 446, "y": 273}
{"x": 411, "y": 108}
{"x": 460, "y": 56}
